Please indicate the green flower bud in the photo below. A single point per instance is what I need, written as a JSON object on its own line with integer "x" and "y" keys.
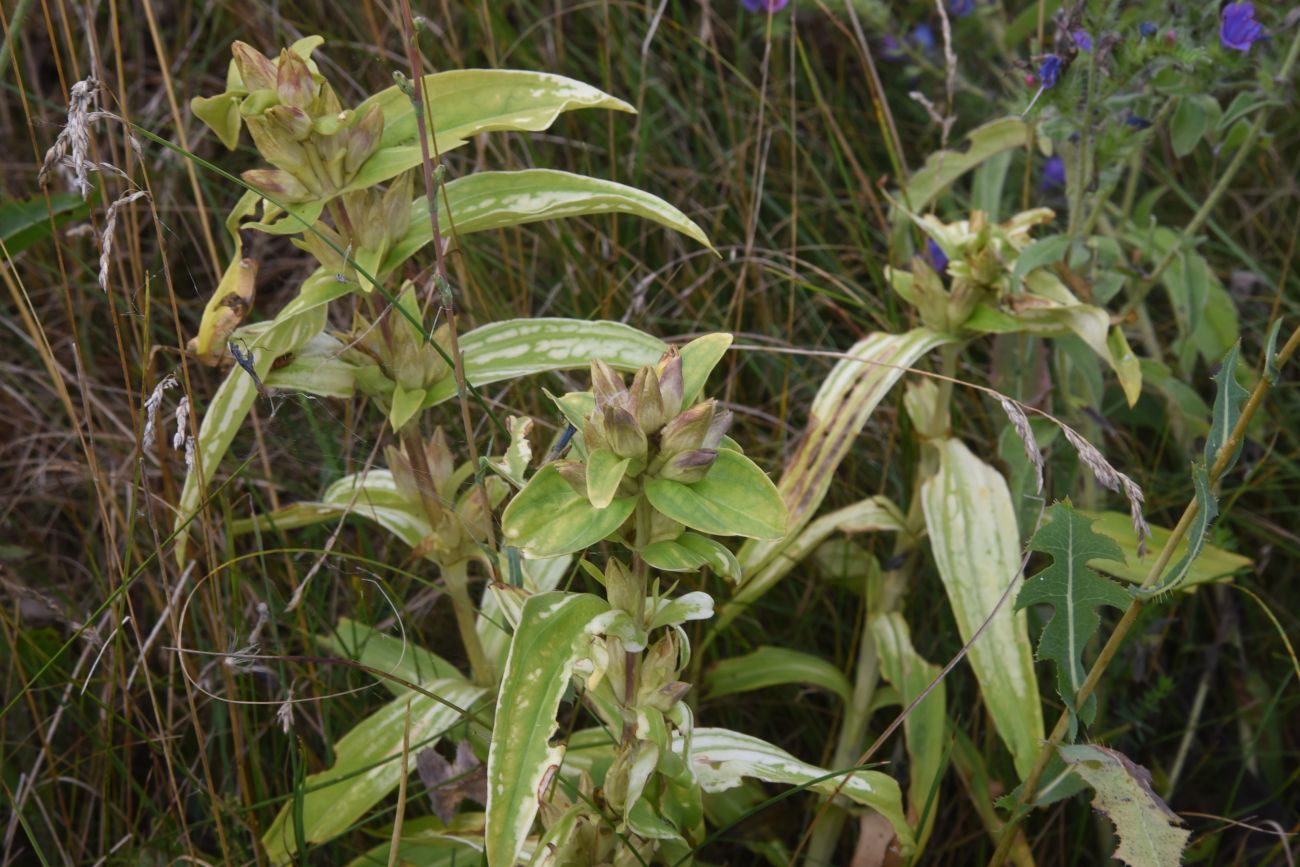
{"x": 689, "y": 467}
{"x": 575, "y": 473}
{"x": 661, "y": 664}
{"x": 278, "y": 183}
{"x": 667, "y": 696}
{"x": 278, "y": 147}
{"x": 607, "y": 385}
{"x": 671, "y": 385}
{"x": 287, "y": 122}
{"x": 363, "y": 139}
{"x": 255, "y": 69}
{"x": 624, "y": 433}
{"x": 718, "y": 428}
{"x": 688, "y": 430}
{"x": 645, "y": 401}
{"x": 293, "y": 80}
{"x": 622, "y": 588}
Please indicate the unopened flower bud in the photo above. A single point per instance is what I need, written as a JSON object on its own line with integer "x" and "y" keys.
{"x": 622, "y": 588}
{"x": 293, "y": 81}
{"x": 280, "y": 184}
{"x": 688, "y": 430}
{"x": 626, "y": 439}
{"x": 718, "y": 428}
{"x": 671, "y": 386}
{"x": 646, "y": 402}
{"x": 667, "y": 696}
{"x": 575, "y": 473}
{"x": 689, "y": 467}
{"x": 254, "y": 67}
{"x": 287, "y": 122}
{"x": 278, "y": 146}
{"x": 363, "y": 139}
{"x": 606, "y": 385}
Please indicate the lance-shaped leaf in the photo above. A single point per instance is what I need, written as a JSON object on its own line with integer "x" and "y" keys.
{"x": 387, "y": 653}
{"x": 484, "y": 201}
{"x": 774, "y": 666}
{"x": 736, "y": 498}
{"x": 549, "y": 518}
{"x": 1212, "y": 564}
{"x": 910, "y": 674}
{"x": 1075, "y": 592}
{"x": 976, "y": 546}
{"x": 552, "y": 635}
{"x": 846, "y": 399}
{"x": 424, "y": 842}
{"x": 945, "y": 167}
{"x": 1228, "y": 398}
{"x": 536, "y": 576}
{"x": 722, "y": 759}
{"x": 368, "y": 765}
{"x": 464, "y": 103}
{"x": 1148, "y": 830}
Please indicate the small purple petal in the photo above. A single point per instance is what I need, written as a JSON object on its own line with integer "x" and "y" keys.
{"x": 890, "y": 49}
{"x": 961, "y": 8}
{"x": 1082, "y": 39}
{"x": 1137, "y": 122}
{"x": 1147, "y": 29}
{"x": 923, "y": 36}
{"x": 1053, "y": 174}
{"x": 1049, "y": 71}
{"x": 1238, "y": 29}
{"x": 935, "y": 257}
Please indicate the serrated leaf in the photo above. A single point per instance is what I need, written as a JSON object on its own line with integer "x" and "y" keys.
{"x": 1147, "y": 828}
{"x": 551, "y": 637}
{"x": 774, "y": 666}
{"x": 1228, "y": 398}
{"x": 1075, "y": 592}
{"x": 976, "y": 545}
{"x": 605, "y": 472}
{"x": 736, "y": 498}
{"x": 484, "y": 201}
{"x": 367, "y": 765}
{"x": 548, "y": 518}
{"x": 723, "y": 759}
{"x": 1207, "y": 510}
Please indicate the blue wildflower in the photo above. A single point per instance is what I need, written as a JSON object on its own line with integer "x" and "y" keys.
{"x": 1239, "y": 30}
{"x": 935, "y": 257}
{"x": 1137, "y": 122}
{"x": 1147, "y": 29}
{"x": 923, "y": 36}
{"x": 1082, "y": 40}
{"x": 890, "y": 49}
{"x": 1053, "y": 174}
{"x": 765, "y": 5}
{"x": 1049, "y": 71}
{"x": 961, "y": 8}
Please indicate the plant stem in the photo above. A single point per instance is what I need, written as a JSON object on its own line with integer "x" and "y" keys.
{"x": 1125, "y": 624}
{"x": 456, "y": 579}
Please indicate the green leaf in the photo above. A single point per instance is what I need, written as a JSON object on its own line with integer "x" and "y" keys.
{"x": 548, "y": 518}
{"x": 1188, "y": 126}
{"x": 1147, "y": 828}
{"x": 483, "y": 201}
{"x": 696, "y": 605}
{"x": 1040, "y": 254}
{"x": 605, "y": 472}
{"x": 1207, "y": 510}
{"x": 723, "y": 759}
{"x": 1075, "y": 592}
{"x": 1212, "y": 564}
{"x": 874, "y": 514}
{"x": 464, "y": 103}
{"x": 551, "y": 637}
{"x": 406, "y": 403}
{"x": 699, "y": 357}
{"x": 384, "y": 652}
{"x": 1227, "y": 409}
{"x": 690, "y": 552}
{"x": 774, "y": 666}
{"x": 368, "y": 765}
{"x": 1127, "y": 366}
{"x": 944, "y": 167}
{"x": 925, "y": 726}
{"x": 976, "y": 546}
{"x": 736, "y": 498}
{"x": 839, "y": 412}
{"x": 30, "y": 221}
{"x": 426, "y": 843}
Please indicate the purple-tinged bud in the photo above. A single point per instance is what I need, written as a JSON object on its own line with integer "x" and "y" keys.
{"x": 363, "y": 139}
{"x": 688, "y": 430}
{"x": 667, "y": 696}
{"x": 442, "y": 465}
{"x": 645, "y": 401}
{"x": 279, "y": 184}
{"x": 293, "y": 81}
{"x": 624, "y": 434}
{"x": 622, "y": 589}
{"x": 660, "y": 664}
{"x": 671, "y": 385}
{"x": 277, "y": 146}
{"x": 285, "y": 121}
{"x": 255, "y": 68}
{"x": 717, "y": 429}
{"x": 607, "y": 385}
{"x": 689, "y": 467}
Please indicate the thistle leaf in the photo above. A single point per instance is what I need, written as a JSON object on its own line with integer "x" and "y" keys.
{"x": 1075, "y": 592}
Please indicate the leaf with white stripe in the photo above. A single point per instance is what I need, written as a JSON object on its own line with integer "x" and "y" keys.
{"x": 552, "y": 636}
{"x": 368, "y": 765}
{"x": 972, "y": 527}
{"x": 494, "y": 200}
{"x": 774, "y": 666}
{"x": 722, "y": 759}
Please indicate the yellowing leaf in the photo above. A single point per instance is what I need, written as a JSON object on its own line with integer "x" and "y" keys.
{"x": 736, "y": 498}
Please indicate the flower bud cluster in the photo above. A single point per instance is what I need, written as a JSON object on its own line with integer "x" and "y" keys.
{"x": 645, "y": 424}
{"x": 403, "y": 354}
{"x": 296, "y": 121}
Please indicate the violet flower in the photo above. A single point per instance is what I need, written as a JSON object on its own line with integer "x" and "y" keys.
{"x": 1049, "y": 71}
{"x": 1053, "y": 174}
{"x": 923, "y": 36}
{"x": 935, "y": 257}
{"x": 764, "y": 5}
{"x": 1239, "y": 30}
{"x": 961, "y": 8}
{"x": 1147, "y": 29}
{"x": 1082, "y": 40}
